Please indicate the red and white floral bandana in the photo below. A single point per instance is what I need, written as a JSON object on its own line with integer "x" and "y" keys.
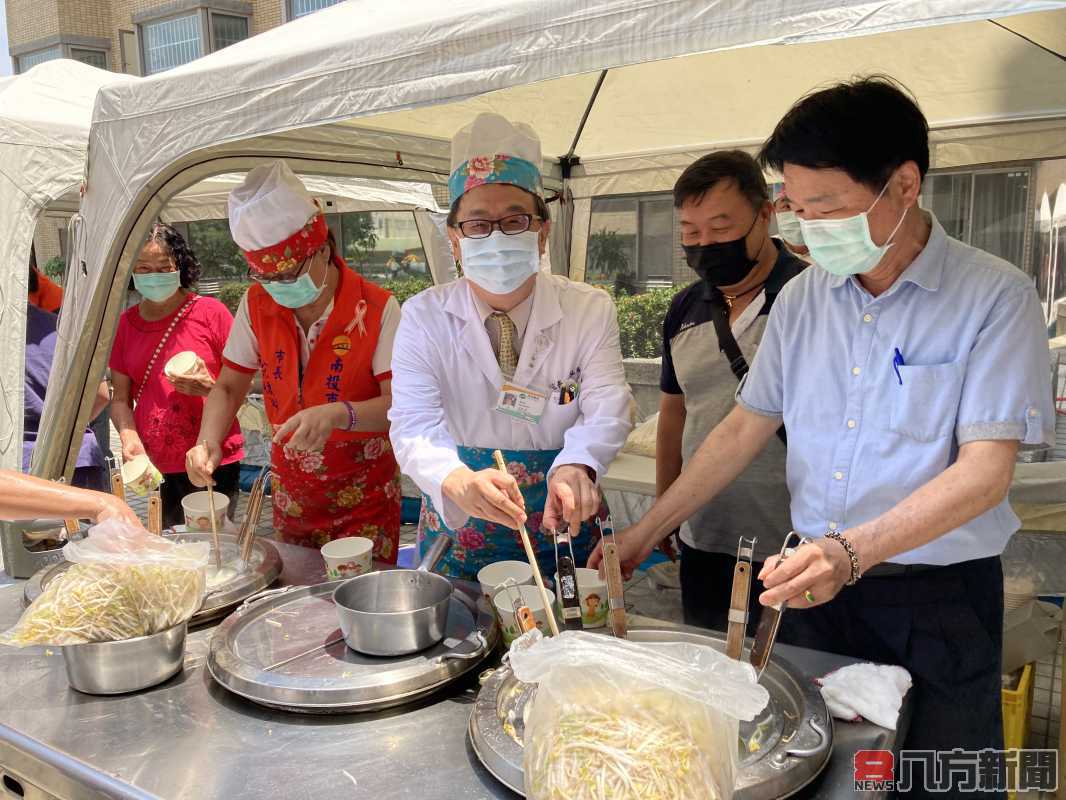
{"x": 285, "y": 256}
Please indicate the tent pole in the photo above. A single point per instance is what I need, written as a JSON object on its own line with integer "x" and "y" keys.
{"x": 584, "y": 118}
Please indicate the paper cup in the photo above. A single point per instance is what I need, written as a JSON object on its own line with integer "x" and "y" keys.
{"x": 184, "y": 364}
{"x": 346, "y": 558}
{"x": 592, "y": 592}
{"x": 491, "y": 576}
{"x": 140, "y": 476}
{"x": 503, "y": 603}
{"x": 198, "y": 511}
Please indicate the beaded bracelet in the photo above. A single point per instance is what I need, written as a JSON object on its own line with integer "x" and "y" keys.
{"x": 856, "y": 570}
{"x": 351, "y": 415}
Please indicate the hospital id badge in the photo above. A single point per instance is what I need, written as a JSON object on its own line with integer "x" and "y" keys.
{"x": 522, "y": 402}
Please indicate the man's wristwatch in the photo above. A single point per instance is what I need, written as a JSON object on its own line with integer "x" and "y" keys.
{"x": 856, "y": 569}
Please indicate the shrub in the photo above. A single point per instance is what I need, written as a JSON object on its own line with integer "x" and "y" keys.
{"x": 640, "y": 322}
{"x": 405, "y": 288}
{"x": 230, "y": 295}
{"x": 54, "y": 268}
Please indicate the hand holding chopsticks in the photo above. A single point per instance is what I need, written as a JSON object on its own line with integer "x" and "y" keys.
{"x": 214, "y": 520}
{"x": 532, "y": 556}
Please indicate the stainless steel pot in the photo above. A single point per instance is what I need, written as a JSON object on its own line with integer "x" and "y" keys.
{"x": 396, "y": 612}
{"x": 126, "y": 666}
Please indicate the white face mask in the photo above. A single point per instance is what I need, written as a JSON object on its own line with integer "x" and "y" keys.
{"x": 844, "y": 246}
{"x": 788, "y": 226}
{"x": 499, "y": 263}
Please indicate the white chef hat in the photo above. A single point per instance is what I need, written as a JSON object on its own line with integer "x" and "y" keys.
{"x": 492, "y": 149}
{"x": 274, "y": 220}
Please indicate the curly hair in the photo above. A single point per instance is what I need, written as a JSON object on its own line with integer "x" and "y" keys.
{"x": 184, "y": 258}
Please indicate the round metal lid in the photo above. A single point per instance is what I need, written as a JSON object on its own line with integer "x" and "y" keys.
{"x": 264, "y": 569}
{"x": 780, "y": 752}
{"x": 286, "y": 651}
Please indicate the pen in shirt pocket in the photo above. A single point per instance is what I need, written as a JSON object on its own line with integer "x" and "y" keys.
{"x": 897, "y": 362}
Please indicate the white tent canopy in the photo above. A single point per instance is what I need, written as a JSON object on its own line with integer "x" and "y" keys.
{"x": 44, "y": 129}
{"x": 370, "y": 89}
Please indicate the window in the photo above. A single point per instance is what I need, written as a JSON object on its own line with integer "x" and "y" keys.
{"x": 985, "y": 208}
{"x": 94, "y": 58}
{"x": 227, "y": 29}
{"x": 171, "y": 42}
{"x": 631, "y": 242}
{"x": 383, "y": 245}
{"x": 301, "y": 8}
{"x": 31, "y": 60}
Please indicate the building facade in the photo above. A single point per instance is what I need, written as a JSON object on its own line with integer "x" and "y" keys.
{"x": 139, "y": 37}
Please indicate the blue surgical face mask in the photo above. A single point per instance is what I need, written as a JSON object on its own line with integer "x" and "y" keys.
{"x": 499, "y": 263}
{"x": 789, "y": 228}
{"x": 157, "y": 286}
{"x": 299, "y": 293}
{"x": 844, "y": 246}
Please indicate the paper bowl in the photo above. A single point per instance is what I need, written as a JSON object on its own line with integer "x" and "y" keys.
{"x": 184, "y": 364}
{"x": 198, "y": 511}
{"x": 592, "y": 592}
{"x": 492, "y": 575}
{"x": 348, "y": 557}
{"x": 140, "y": 476}
{"x": 502, "y": 603}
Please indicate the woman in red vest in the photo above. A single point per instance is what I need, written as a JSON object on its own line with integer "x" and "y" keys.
{"x": 321, "y": 337}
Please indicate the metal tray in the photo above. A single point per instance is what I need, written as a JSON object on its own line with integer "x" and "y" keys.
{"x": 264, "y": 569}
{"x": 780, "y": 752}
{"x": 285, "y": 651}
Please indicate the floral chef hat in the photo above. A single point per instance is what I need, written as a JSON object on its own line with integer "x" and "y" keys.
{"x": 492, "y": 149}
{"x": 274, "y": 220}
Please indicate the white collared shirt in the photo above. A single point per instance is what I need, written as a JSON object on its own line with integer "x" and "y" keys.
{"x": 446, "y": 382}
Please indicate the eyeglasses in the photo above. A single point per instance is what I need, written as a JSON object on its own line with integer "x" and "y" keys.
{"x": 509, "y": 226}
{"x": 290, "y": 277}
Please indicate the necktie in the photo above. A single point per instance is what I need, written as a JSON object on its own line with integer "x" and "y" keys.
{"x": 507, "y": 356}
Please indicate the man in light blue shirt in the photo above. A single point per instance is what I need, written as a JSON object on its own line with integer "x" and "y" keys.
{"x": 907, "y": 368}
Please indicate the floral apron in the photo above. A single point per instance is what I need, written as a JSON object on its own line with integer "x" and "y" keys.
{"x": 350, "y": 488}
{"x": 480, "y": 542}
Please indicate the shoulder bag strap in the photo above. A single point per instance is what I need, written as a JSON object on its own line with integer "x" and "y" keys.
{"x": 727, "y": 343}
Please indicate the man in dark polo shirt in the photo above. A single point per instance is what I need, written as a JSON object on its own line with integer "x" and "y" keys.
{"x": 725, "y": 212}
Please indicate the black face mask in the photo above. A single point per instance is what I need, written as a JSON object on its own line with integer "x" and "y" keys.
{"x": 724, "y": 263}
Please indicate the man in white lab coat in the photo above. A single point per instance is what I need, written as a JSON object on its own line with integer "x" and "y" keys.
{"x": 508, "y": 357}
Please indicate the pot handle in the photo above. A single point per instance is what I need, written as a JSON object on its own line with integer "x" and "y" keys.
{"x": 482, "y": 644}
{"x": 823, "y": 741}
{"x": 436, "y": 553}
{"x": 255, "y": 598}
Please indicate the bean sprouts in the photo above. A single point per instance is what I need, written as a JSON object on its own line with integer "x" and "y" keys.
{"x": 634, "y": 753}
{"x": 101, "y": 603}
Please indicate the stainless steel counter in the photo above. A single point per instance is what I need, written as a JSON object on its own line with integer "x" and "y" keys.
{"x": 188, "y": 738}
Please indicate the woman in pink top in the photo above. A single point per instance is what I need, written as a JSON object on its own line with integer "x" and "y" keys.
{"x": 154, "y": 414}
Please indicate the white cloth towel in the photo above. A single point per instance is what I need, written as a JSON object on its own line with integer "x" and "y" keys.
{"x": 873, "y": 692}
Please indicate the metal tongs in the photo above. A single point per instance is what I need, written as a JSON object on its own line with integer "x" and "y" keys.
{"x": 770, "y": 619}
{"x": 252, "y": 514}
{"x": 738, "y": 605}
{"x": 114, "y": 471}
{"x": 523, "y": 618}
{"x": 565, "y": 568}
{"x": 616, "y": 602}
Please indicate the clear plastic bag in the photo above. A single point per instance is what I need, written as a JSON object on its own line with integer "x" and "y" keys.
{"x": 124, "y": 583}
{"x": 625, "y": 720}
